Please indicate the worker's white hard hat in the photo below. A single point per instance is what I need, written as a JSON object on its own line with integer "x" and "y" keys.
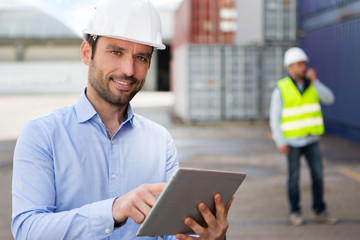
{"x": 131, "y": 20}
{"x": 294, "y": 55}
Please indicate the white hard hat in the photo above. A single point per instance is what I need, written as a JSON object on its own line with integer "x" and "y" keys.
{"x": 131, "y": 20}
{"x": 293, "y": 55}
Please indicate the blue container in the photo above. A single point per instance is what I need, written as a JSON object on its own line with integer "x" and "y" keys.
{"x": 314, "y": 6}
{"x": 334, "y": 52}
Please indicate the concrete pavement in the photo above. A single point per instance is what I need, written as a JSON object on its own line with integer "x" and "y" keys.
{"x": 260, "y": 209}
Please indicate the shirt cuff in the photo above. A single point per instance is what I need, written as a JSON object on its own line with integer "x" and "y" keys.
{"x": 119, "y": 224}
{"x": 101, "y": 219}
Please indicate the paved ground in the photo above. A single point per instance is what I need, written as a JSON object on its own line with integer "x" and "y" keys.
{"x": 260, "y": 210}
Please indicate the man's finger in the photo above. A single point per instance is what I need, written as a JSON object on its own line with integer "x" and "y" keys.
{"x": 155, "y": 188}
{"x": 197, "y": 228}
{"x": 229, "y": 204}
{"x": 208, "y": 216}
{"x": 221, "y": 211}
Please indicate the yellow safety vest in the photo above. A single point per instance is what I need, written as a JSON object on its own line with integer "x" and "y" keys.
{"x": 301, "y": 114}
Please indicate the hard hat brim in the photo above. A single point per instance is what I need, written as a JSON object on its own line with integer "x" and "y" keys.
{"x": 156, "y": 46}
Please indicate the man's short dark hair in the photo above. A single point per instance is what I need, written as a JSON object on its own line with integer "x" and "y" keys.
{"x": 92, "y": 40}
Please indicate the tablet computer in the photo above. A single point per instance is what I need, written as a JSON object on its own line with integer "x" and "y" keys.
{"x": 185, "y": 190}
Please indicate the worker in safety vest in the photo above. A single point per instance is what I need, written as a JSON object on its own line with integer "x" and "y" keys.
{"x": 297, "y": 123}
{"x": 92, "y": 170}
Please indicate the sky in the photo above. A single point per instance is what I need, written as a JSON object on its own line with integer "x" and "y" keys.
{"x": 75, "y": 13}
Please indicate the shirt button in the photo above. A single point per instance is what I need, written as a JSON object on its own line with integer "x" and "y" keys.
{"x": 113, "y": 176}
{"x": 107, "y": 230}
{"x": 112, "y": 141}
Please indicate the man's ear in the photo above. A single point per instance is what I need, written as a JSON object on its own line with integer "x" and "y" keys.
{"x": 85, "y": 52}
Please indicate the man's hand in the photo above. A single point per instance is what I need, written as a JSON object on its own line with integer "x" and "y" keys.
{"x": 137, "y": 203}
{"x": 217, "y": 225}
{"x": 284, "y": 149}
{"x": 311, "y": 74}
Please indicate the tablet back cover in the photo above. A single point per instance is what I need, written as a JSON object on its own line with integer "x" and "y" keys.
{"x": 185, "y": 190}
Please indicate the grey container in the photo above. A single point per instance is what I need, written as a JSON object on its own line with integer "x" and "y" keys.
{"x": 280, "y": 20}
{"x": 241, "y": 83}
{"x": 216, "y": 82}
{"x": 272, "y": 70}
{"x": 205, "y": 74}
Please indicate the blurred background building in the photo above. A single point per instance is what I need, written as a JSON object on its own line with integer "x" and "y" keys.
{"x": 38, "y": 54}
{"x": 222, "y": 61}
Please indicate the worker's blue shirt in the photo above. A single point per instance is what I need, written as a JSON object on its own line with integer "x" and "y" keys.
{"x": 68, "y": 170}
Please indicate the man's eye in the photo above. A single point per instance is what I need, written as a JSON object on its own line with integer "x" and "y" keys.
{"x": 116, "y": 52}
{"x": 143, "y": 59}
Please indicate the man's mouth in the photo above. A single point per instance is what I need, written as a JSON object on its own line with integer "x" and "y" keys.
{"x": 122, "y": 82}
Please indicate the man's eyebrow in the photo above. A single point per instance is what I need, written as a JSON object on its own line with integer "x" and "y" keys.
{"x": 117, "y": 48}
{"x": 146, "y": 55}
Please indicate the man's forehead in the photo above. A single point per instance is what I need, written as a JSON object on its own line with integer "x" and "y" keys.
{"x": 115, "y": 42}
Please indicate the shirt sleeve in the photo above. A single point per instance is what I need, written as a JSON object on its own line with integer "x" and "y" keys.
{"x": 172, "y": 163}
{"x": 325, "y": 94}
{"x": 34, "y": 196}
{"x": 276, "y": 105}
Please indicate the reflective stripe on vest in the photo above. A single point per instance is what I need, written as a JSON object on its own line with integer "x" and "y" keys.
{"x": 301, "y": 114}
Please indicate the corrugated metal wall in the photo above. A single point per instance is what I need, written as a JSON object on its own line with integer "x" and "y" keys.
{"x": 280, "y": 20}
{"x": 216, "y": 82}
{"x": 315, "y": 6}
{"x": 205, "y": 22}
{"x": 334, "y": 51}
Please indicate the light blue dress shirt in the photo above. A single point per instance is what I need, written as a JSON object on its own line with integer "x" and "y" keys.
{"x": 326, "y": 97}
{"x": 68, "y": 170}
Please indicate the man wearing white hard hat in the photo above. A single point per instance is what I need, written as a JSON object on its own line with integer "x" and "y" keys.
{"x": 92, "y": 170}
{"x": 296, "y": 122}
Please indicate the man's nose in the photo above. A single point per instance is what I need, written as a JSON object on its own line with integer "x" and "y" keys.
{"x": 127, "y": 66}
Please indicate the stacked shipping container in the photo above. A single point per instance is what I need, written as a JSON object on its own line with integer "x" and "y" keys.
{"x": 216, "y": 82}
{"x": 280, "y": 20}
{"x": 205, "y": 22}
{"x": 315, "y": 6}
{"x": 334, "y": 51}
{"x": 215, "y": 79}
{"x": 266, "y": 21}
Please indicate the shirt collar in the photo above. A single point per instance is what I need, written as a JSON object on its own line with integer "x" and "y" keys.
{"x": 130, "y": 116}
{"x": 85, "y": 111}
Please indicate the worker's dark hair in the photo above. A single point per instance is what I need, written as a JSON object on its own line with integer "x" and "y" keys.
{"x": 92, "y": 40}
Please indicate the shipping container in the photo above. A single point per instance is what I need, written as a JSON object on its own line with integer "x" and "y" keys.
{"x": 263, "y": 21}
{"x": 272, "y": 70}
{"x": 334, "y": 52}
{"x": 241, "y": 83}
{"x": 205, "y": 22}
{"x": 329, "y": 16}
{"x": 197, "y": 82}
{"x": 316, "y": 6}
{"x": 280, "y": 20}
{"x": 217, "y": 82}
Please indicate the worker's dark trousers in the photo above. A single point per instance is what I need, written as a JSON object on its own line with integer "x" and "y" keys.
{"x": 313, "y": 156}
